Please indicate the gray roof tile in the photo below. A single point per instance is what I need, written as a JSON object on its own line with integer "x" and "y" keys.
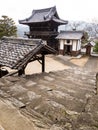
{"x": 43, "y": 15}
{"x": 14, "y": 54}
{"x": 70, "y": 35}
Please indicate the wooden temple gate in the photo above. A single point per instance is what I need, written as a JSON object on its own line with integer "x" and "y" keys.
{"x": 43, "y": 24}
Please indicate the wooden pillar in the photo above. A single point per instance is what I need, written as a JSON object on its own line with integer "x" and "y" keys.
{"x": 21, "y": 71}
{"x": 43, "y": 63}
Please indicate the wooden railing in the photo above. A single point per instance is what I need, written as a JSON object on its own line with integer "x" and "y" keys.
{"x": 41, "y": 33}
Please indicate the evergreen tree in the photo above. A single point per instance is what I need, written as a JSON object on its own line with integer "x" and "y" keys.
{"x": 96, "y": 47}
{"x": 7, "y": 27}
{"x": 85, "y": 38}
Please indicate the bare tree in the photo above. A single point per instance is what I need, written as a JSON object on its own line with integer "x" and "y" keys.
{"x": 75, "y": 25}
{"x": 95, "y": 25}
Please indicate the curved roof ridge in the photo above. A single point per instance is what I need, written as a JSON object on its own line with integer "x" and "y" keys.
{"x": 51, "y": 12}
{"x": 43, "y": 9}
{"x": 43, "y": 15}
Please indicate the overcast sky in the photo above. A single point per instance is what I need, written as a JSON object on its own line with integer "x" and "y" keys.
{"x": 85, "y": 10}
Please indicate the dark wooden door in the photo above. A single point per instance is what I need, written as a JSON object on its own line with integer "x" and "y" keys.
{"x": 88, "y": 50}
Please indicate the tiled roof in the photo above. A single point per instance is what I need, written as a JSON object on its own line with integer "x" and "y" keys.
{"x": 75, "y": 35}
{"x": 91, "y": 43}
{"x": 15, "y": 54}
{"x": 43, "y": 15}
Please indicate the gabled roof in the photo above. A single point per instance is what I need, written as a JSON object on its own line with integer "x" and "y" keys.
{"x": 43, "y": 15}
{"x": 91, "y": 43}
{"x": 15, "y": 53}
{"x": 74, "y": 35}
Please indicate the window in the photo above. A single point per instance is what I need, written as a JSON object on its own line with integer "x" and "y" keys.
{"x": 68, "y": 41}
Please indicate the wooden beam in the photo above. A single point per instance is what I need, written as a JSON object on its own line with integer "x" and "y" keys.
{"x": 43, "y": 62}
{"x": 38, "y": 58}
{"x": 11, "y": 73}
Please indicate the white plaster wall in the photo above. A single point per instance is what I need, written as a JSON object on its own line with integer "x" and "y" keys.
{"x": 79, "y": 45}
{"x": 91, "y": 49}
{"x": 74, "y": 45}
{"x": 61, "y": 44}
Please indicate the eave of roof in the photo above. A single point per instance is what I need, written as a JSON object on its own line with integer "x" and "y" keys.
{"x": 74, "y": 35}
{"x": 59, "y": 21}
{"x": 43, "y": 15}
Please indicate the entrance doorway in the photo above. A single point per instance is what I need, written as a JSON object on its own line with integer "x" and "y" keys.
{"x": 67, "y": 49}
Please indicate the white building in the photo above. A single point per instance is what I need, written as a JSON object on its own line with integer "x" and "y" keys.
{"x": 70, "y": 42}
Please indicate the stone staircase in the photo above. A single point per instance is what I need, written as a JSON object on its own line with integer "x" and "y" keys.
{"x": 57, "y": 100}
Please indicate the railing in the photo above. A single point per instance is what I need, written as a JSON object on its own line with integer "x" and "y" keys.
{"x": 41, "y": 33}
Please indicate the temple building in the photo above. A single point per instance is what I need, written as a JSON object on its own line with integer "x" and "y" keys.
{"x": 43, "y": 24}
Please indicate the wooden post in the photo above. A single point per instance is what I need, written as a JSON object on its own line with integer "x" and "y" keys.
{"x": 43, "y": 63}
{"x": 21, "y": 71}
{"x": 97, "y": 83}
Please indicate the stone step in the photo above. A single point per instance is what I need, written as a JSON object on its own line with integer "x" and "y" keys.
{"x": 75, "y": 76}
{"x": 57, "y": 95}
{"x": 66, "y": 87}
{"x": 16, "y": 102}
{"x": 77, "y": 93}
{"x": 67, "y": 83}
{"x": 80, "y": 74}
{"x": 75, "y": 80}
{"x": 76, "y": 73}
{"x": 37, "y": 116}
{"x": 81, "y": 70}
{"x": 3, "y": 94}
{"x": 50, "y": 97}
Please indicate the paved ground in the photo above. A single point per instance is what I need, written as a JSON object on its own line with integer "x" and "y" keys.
{"x": 50, "y": 65}
{"x": 92, "y": 64}
{"x": 86, "y": 62}
{"x": 55, "y": 63}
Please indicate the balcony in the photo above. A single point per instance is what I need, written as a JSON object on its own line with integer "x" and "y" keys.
{"x": 41, "y": 33}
